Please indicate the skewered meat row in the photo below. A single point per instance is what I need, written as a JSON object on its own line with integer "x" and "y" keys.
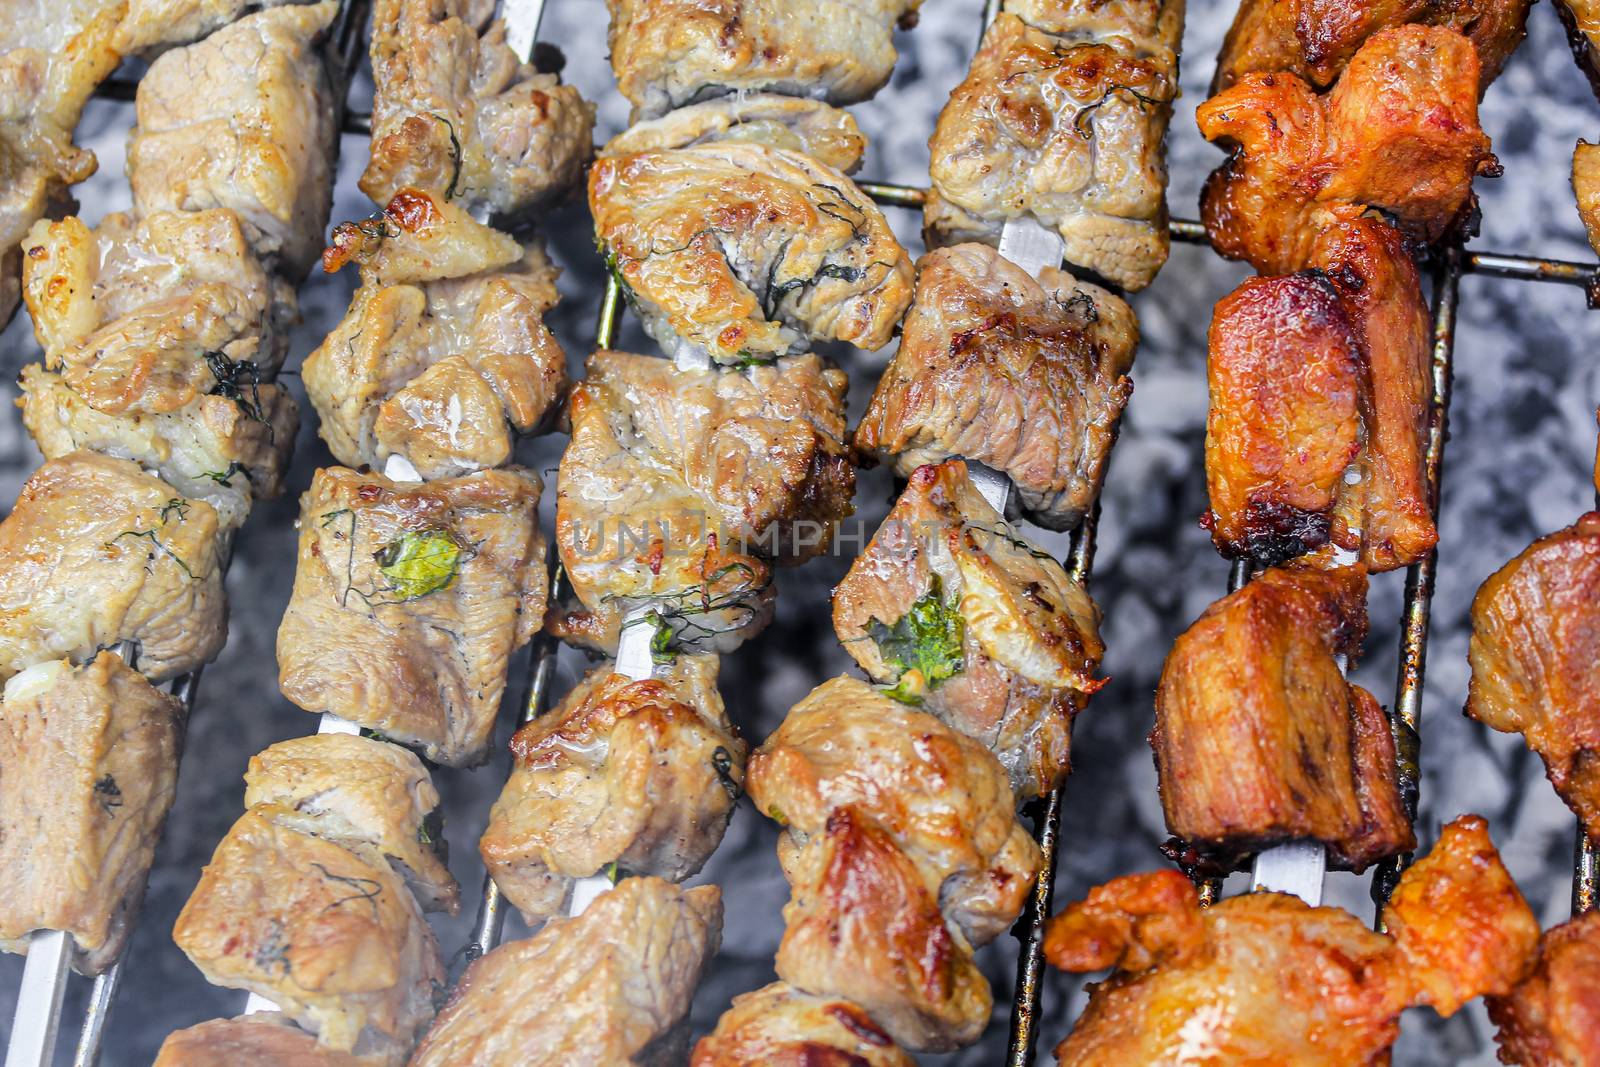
{"x": 1550, "y": 1018}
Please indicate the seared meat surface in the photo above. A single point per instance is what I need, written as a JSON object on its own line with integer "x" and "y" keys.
{"x": 1586, "y": 187}
{"x": 779, "y": 1026}
{"x": 681, "y": 486}
{"x": 1028, "y": 377}
{"x": 1535, "y": 654}
{"x": 443, "y": 355}
{"x": 409, "y": 599}
{"x": 1552, "y": 1017}
{"x": 152, "y": 25}
{"x": 97, "y": 552}
{"x": 744, "y": 251}
{"x": 605, "y": 987}
{"x": 1398, "y": 133}
{"x": 88, "y": 766}
{"x": 456, "y": 114}
{"x": 243, "y": 120}
{"x": 1582, "y": 20}
{"x": 903, "y": 855}
{"x": 1064, "y": 123}
{"x": 965, "y": 618}
{"x": 638, "y": 776}
{"x": 1259, "y": 739}
{"x": 668, "y": 53}
{"x": 1263, "y": 978}
{"x": 264, "y": 1039}
{"x": 324, "y": 930}
{"x": 1315, "y": 39}
{"x": 825, "y": 133}
{"x": 359, "y": 791}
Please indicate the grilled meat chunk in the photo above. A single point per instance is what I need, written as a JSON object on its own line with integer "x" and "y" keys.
{"x": 1552, "y": 1017}
{"x": 1260, "y": 740}
{"x": 455, "y": 113}
{"x": 88, "y": 766}
{"x": 1535, "y": 656}
{"x": 444, "y": 354}
{"x": 680, "y": 487}
{"x": 1586, "y": 187}
{"x": 1263, "y": 978}
{"x": 324, "y": 930}
{"x": 605, "y": 987}
{"x": 1399, "y": 133}
{"x": 409, "y": 599}
{"x": 1315, "y": 39}
{"x": 968, "y": 620}
{"x": 1028, "y": 377}
{"x": 359, "y": 791}
{"x": 152, "y": 25}
{"x": 903, "y": 854}
{"x": 1582, "y": 20}
{"x": 1064, "y": 124}
{"x": 668, "y": 53}
{"x": 96, "y": 552}
{"x": 825, "y": 133}
{"x": 744, "y": 251}
{"x": 265, "y": 1039}
{"x": 244, "y": 120}
{"x": 779, "y": 1026}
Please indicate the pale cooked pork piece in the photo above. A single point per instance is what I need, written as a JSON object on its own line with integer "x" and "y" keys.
{"x": 825, "y": 133}
{"x": 1315, "y": 39}
{"x": 214, "y": 448}
{"x": 455, "y": 113}
{"x": 1028, "y": 377}
{"x": 680, "y": 487}
{"x": 146, "y": 315}
{"x": 265, "y": 1039}
{"x": 325, "y": 931}
{"x": 668, "y": 53}
{"x": 1552, "y": 1017}
{"x": 443, "y": 355}
{"x": 966, "y": 619}
{"x": 1262, "y": 978}
{"x": 636, "y": 776}
{"x": 744, "y": 251}
{"x": 1398, "y": 133}
{"x": 1586, "y": 187}
{"x": 95, "y": 552}
{"x": 779, "y": 1026}
{"x": 244, "y": 120}
{"x": 1066, "y": 127}
{"x": 409, "y": 599}
{"x": 605, "y": 987}
{"x": 903, "y": 855}
{"x": 1582, "y": 19}
{"x": 1259, "y": 739}
{"x": 1535, "y": 654}
{"x": 88, "y": 766}
{"x": 152, "y": 25}
{"x": 361, "y": 790}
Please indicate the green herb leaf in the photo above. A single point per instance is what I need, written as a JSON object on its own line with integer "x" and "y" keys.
{"x": 420, "y": 563}
{"x": 661, "y": 640}
{"x": 924, "y": 645}
{"x": 614, "y": 873}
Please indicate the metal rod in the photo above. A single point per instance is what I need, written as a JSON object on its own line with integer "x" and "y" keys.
{"x": 892, "y": 195}
{"x": 1585, "y": 866}
{"x": 38, "y": 1012}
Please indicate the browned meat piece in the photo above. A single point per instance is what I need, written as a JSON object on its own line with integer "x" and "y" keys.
{"x": 444, "y": 354}
{"x": 745, "y": 252}
{"x": 1399, "y": 133}
{"x": 606, "y": 987}
{"x": 680, "y": 487}
{"x": 409, "y": 599}
{"x": 88, "y": 765}
{"x": 1264, "y": 979}
{"x": 265, "y": 1039}
{"x": 96, "y": 552}
{"x": 1582, "y": 19}
{"x": 779, "y": 1026}
{"x": 360, "y": 791}
{"x": 1314, "y": 39}
{"x": 151, "y": 25}
{"x": 326, "y": 931}
{"x": 1260, "y": 740}
{"x": 1064, "y": 122}
{"x": 1586, "y": 187}
{"x": 967, "y": 619}
{"x": 1535, "y": 656}
{"x": 1028, "y": 377}
{"x": 825, "y": 133}
{"x": 668, "y": 53}
{"x": 1552, "y": 1018}
{"x": 903, "y": 855}
{"x": 638, "y": 776}
{"x": 244, "y": 120}
{"x": 1320, "y": 384}
{"x": 456, "y": 114}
